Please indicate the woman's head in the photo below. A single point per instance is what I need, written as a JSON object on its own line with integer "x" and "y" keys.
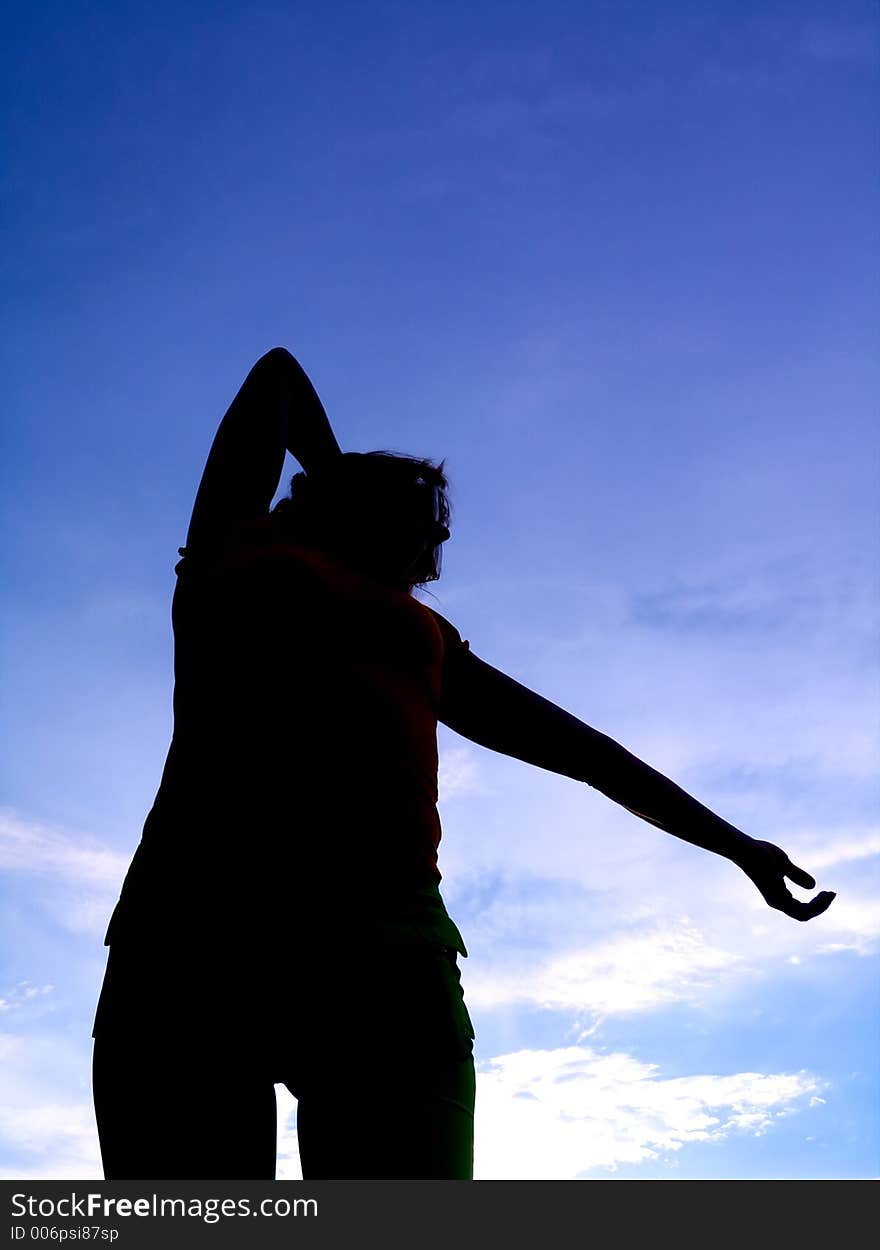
{"x": 381, "y": 512}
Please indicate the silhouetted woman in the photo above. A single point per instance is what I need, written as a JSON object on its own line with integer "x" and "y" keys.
{"x": 281, "y": 921}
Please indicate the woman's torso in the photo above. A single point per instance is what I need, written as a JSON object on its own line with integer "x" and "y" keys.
{"x": 299, "y": 795}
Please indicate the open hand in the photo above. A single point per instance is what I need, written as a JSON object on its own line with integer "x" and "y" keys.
{"x": 767, "y": 865}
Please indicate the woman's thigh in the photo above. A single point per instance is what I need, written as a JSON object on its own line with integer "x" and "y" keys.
{"x": 386, "y": 1085}
{"x": 386, "y": 1129}
{"x": 178, "y": 1091}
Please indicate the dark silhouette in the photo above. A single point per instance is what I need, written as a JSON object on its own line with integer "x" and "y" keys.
{"x": 281, "y": 919}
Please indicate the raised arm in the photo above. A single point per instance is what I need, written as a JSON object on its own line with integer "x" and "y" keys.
{"x": 276, "y": 410}
{"x": 490, "y": 708}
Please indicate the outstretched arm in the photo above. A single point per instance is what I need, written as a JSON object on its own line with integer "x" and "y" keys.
{"x": 276, "y": 410}
{"x": 490, "y": 708}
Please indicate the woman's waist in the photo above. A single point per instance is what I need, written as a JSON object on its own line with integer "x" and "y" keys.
{"x": 226, "y": 791}
{"x": 325, "y": 914}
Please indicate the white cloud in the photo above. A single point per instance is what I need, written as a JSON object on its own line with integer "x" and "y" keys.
{"x": 287, "y": 1164}
{"x": 26, "y": 846}
{"x": 556, "y": 943}
{"x": 55, "y": 1140}
{"x": 634, "y": 971}
{"x": 23, "y": 993}
{"x": 458, "y": 772}
{"x": 851, "y": 923}
{"x": 857, "y": 920}
{"x": 821, "y": 852}
{"x": 47, "y": 1120}
{"x": 69, "y": 877}
{"x": 553, "y": 1114}
{"x": 46, "y": 1131}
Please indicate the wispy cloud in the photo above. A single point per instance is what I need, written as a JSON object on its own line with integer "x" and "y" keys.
{"x": 627, "y": 973}
{"x": 71, "y": 877}
{"x": 458, "y": 772}
{"x": 47, "y": 1125}
{"x": 22, "y": 994}
{"x": 765, "y": 598}
{"x": 825, "y": 853}
{"x": 26, "y": 846}
{"x": 856, "y": 926}
{"x": 702, "y": 671}
{"x": 52, "y": 1140}
{"x": 630, "y": 946}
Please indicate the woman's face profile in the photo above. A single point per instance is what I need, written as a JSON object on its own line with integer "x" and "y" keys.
{"x": 380, "y": 527}
{"x": 388, "y": 552}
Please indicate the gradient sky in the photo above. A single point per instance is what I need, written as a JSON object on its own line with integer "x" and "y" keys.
{"x": 617, "y": 263}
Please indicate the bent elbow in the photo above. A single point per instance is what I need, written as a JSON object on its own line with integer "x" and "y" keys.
{"x": 274, "y": 358}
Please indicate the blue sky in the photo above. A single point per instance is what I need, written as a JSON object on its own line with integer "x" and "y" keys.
{"x": 616, "y": 263}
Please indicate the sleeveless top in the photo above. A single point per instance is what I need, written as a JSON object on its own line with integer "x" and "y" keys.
{"x": 298, "y": 801}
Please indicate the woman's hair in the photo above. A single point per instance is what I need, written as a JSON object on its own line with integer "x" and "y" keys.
{"x": 370, "y": 499}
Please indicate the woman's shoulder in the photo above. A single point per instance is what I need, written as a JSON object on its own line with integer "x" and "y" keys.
{"x": 251, "y": 543}
{"x": 452, "y": 639}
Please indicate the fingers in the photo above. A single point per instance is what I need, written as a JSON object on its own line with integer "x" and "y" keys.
{"x": 799, "y": 877}
{"x": 804, "y": 911}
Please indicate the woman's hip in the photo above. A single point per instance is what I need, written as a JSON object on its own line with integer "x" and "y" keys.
{"x": 396, "y": 1004}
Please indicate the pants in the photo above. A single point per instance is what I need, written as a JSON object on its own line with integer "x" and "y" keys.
{"x": 375, "y": 1043}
